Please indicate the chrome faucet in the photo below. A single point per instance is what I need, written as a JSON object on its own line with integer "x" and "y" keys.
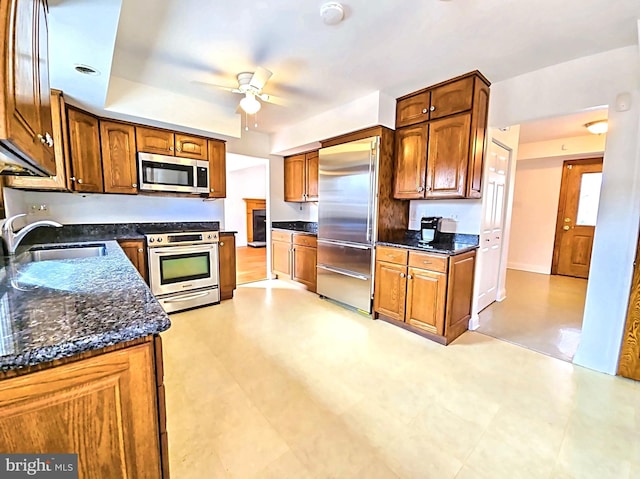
{"x": 13, "y": 239}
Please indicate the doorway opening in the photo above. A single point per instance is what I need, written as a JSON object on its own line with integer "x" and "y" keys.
{"x": 246, "y": 209}
{"x": 555, "y": 183}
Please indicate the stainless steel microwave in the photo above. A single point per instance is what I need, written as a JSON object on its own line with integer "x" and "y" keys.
{"x": 168, "y": 173}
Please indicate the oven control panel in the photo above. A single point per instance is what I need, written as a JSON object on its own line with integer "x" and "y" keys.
{"x": 182, "y": 238}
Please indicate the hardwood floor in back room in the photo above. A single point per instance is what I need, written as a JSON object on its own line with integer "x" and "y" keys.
{"x": 251, "y": 264}
{"x": 278, "y": 383}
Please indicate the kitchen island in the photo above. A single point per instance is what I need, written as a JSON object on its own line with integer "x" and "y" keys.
{"x": 81, "y": 364}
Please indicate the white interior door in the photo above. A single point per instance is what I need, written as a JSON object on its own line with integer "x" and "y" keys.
{"x": 492, "y": 223}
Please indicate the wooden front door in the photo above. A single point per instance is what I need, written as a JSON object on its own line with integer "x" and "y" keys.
{"x": 577, "y": 212}
{"x": 629, "y": 365}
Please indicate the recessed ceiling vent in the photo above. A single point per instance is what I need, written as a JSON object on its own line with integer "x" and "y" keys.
{"x": 86, "y": 70}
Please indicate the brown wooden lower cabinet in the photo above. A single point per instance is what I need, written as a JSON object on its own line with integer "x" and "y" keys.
{"x": 136, "y": 252}
{"x": 427, "y": 293}
{"x": 107, "y": 406}
{"x": 227, "y": 249}
{"x": 294, "y": 257}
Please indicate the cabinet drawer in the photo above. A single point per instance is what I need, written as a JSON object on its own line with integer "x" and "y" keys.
{"x": 427, "y": 261}
{"x": 391, "y": 255}
{"x": 281, "y": 236}
{"x": 452, "y": 98}
{"x": 305, "y": 240}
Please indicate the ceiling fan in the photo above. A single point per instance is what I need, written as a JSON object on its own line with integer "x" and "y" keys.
{"x": 250, "y": 84}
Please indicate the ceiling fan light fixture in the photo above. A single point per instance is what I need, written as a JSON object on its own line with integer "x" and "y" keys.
{"x": 249, "y": 104}
{"x": 597, "y": 127}
{"x": 331, "y": 13}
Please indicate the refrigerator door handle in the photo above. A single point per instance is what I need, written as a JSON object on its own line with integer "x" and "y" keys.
{"x": 337, "y": 271}
{"x": 339, "y": 243}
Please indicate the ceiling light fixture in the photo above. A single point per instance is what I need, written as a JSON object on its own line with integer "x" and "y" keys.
{"x": 249, "y": 103}
{"x": 331, "y": 13}
{"x": 597, "y": 127}
{"x": 85, "y": 69}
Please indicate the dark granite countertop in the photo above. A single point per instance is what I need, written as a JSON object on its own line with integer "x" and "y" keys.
{"x": 56, "y": 309}
{"x": 447, "y": 243}
{"x": 310, "y": 227}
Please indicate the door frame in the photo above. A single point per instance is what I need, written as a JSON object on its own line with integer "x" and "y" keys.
{"x": 561, "y": 205}
{"x": 629, "y": 361}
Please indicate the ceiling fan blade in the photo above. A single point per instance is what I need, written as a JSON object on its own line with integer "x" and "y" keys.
{"x": 218, "y": 87}
{"x": 260, "y": 78}
{"x": 275, "y": 100}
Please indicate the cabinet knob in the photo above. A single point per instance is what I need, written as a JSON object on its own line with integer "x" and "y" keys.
{"x": 432, "y": 108}
{"x": 402, "y": 275}
{"x": 409, "y": 276}
{"x": 140, "y": 250}
{"x": 428, "y": 188}
{"x": 135, "y": 185}
{"x": 80, "y": 180}
{"x": 221, "y": 243}
{"x": 213, "y": 190}
{"x": 178, "y": 149}
{"x": 171, "y": 148}
{"x": 48, "y": 140}
{"x": 420, "y": 189}
{"x": 73, "y": 178}
{"x": 424, "y": 110}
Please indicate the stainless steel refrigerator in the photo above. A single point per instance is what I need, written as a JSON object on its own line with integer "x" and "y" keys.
{"x": 347, "y": 192}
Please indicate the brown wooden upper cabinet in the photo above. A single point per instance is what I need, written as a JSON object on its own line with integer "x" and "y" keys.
{"x": 118, "y": 142}
{"x": 165, "y": 142}
{"x": 217, "y": 169}
{"x": 60, "y": 146}
{"x": 440, "y": 139}
{"x": 84, "y": 151}
{"x": 25, "y": 121}
{"x": 301, "y": 177}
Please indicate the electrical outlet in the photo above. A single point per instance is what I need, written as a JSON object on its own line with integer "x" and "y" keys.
{"x": 39, "y": 210}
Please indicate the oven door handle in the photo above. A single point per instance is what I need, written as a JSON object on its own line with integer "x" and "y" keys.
{"x": 187, "y": 297}
{"x": 170, "y": 250}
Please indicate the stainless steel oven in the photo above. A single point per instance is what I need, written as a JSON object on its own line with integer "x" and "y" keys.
{"x": 184, "y": 269}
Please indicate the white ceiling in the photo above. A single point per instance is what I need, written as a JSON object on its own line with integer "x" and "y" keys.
{"x": 560, "y": 127}
{"x": 150, "y": 52}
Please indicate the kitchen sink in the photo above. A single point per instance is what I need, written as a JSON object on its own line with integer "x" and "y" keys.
{"x": 67, "y": 251}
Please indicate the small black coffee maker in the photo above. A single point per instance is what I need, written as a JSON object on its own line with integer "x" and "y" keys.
{"x": 429, "y": 226}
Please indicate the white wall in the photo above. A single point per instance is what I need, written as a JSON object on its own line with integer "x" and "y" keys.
{"x": 576, "y": 147}
{"x": 533, "y": 221}
{"x": 467, "y": 213}
{"x": 569, "y": 87}
{"x": 81, "y": 208}
{"x": 247, "y": 183}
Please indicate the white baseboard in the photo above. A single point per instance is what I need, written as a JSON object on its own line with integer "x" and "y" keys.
{"x": 474, "y": 322}
{"x": 531, "y": 268}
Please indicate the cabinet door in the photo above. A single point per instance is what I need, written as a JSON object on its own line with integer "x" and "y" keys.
{"x": 191, "y": 147}
{"x": 150, "y": 140}
{"x": 281, "y": 258}
{"x": 311, "y": 176}
{"x": 60, "y": 147}
{"x": 119, "y": 157}
{"x": 217, "y": 169}
{"x": 294, "y": 167}
{"x": 426, "y": 300}
{"x": 478, "y": 140}
{"x": 102, "y": 408}
{"x": 448, "y": 157}
{"x": 412, "y": 110}
{"x": 227, "y": 265}
{"x": 84, "y": 151}
{"x": 135, "y": 251}
{"x": 454, "y": 97}
{"x": 26, "y": 100}
{"x": 304, "y": 266}
{"x": 411, "y": 161}
{"x": 390, "y": 290}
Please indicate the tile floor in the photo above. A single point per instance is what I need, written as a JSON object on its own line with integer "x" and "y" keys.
{"x": 278, "y": 383}
{"x": 542, "y": 312}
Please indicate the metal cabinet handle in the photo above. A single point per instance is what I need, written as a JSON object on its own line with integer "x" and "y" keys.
{"x": 48, "y": 140}
{"x": 178, "y": 149}
{"x": 420, "y": 189}
{"x": 428, "y": 188}
{"x": 135, "y": 185}
{"x": 433, "y": 108}
{"x": 424, "y": 110}
{"x": 171, "y": 148}
{"x": 427, "y": 262}
{"x": 80, "y": 180}
{"x": 402, "y": 275}
{"x": 409, "y": 276}
{"x": 73, "y": 178}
